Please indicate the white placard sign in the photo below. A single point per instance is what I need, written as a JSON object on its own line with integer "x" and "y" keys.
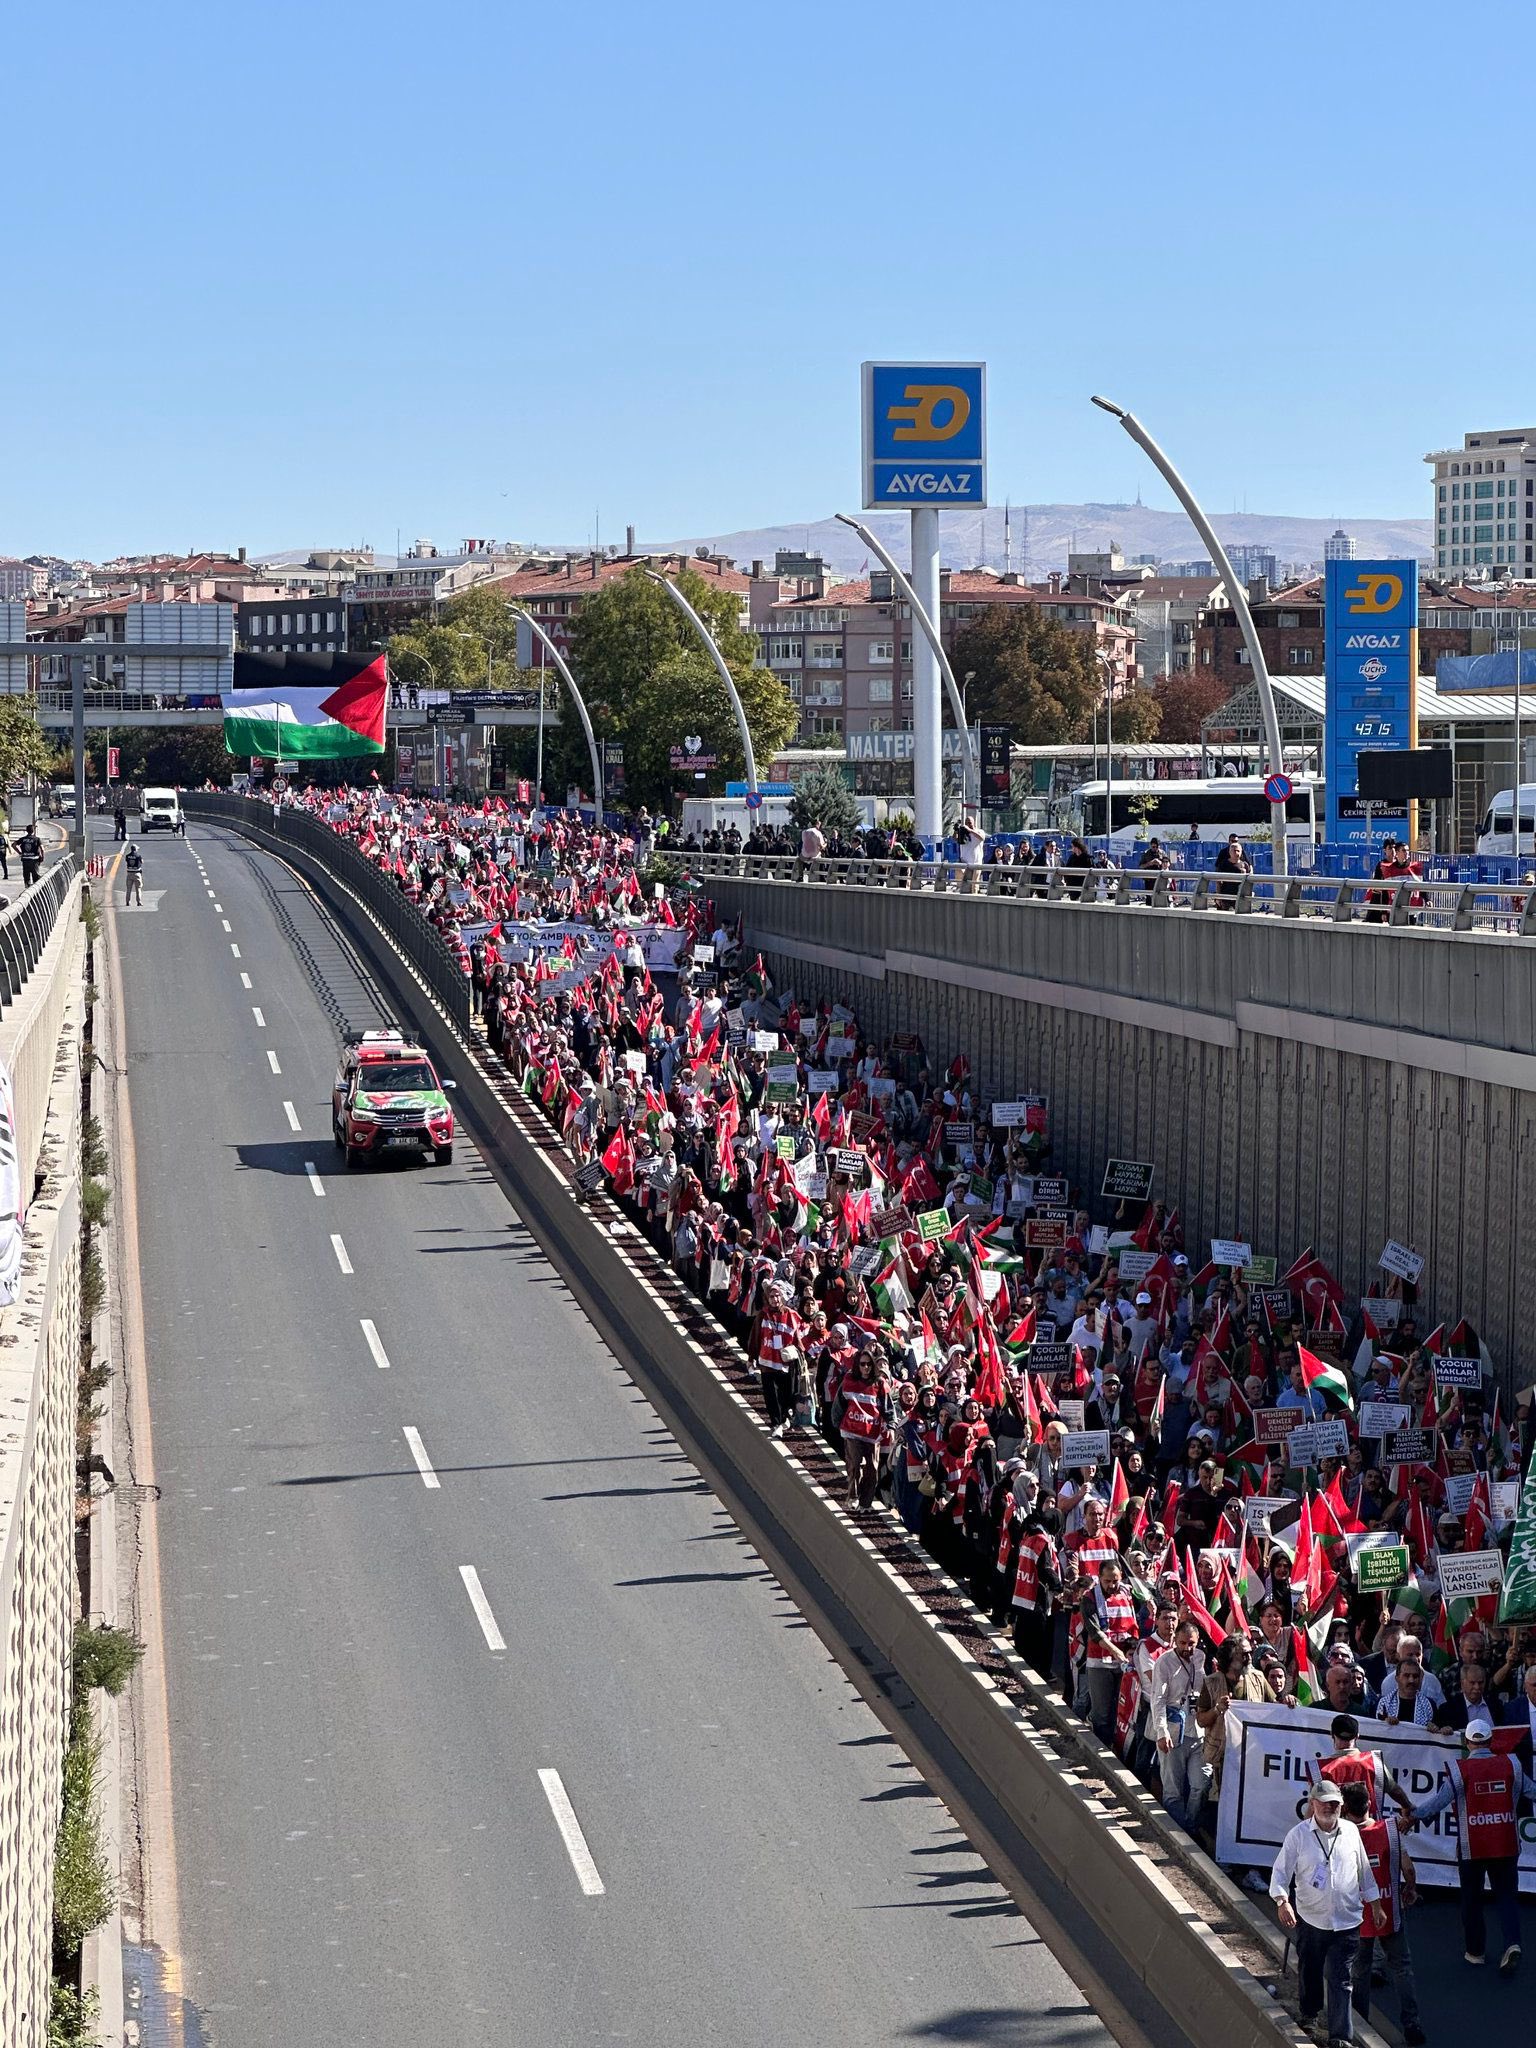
{"x": 1071, "y": 1412}
{"x": 765, "y": 1041}
{"x": 1132, "y": 1264}
{"x": 1459, "y": 1489}
{"x": 1230, "y": 1251}
{"x": 1084, "y": 1447}
{"x": 1383, "y": 1309}
{"x": 1470, "y": 1573}
{"x": 1006, "y": 1115}
{"x": 703, "y": 955}
{"x": 1379, "y": 1419}
{"x": 1400, "y": 1259}
{"x": 634, "y": 1062}
{"x": 782, "y": 1077}
{"x": 822, "y": 1081}
{"x": 1258, "y": 1508}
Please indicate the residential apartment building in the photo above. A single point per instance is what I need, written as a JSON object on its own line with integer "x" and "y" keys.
{"x": 1167, "y": 611}
{"x": 1290, "y": 629}
{"x": 20, "y": 580}
{"x": 1340, "y": 546}
{"x": 845, "y": 652}
{"x": 269, "y": 620}
{"x": 1484, "y": 495}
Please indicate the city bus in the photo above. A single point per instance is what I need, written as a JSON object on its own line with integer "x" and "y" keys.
{"x": 1212, "y": 807}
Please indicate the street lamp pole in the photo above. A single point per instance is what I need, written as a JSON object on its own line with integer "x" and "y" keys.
{"x": 726, "y": 677}
{"x": 576, "y": 698}
{"x": 935, "y": 639}
{"x": 1237, "y": 596}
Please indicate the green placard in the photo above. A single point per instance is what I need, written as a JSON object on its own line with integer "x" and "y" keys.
{"x": 785, "y": 1147}
{"x": 1260, "y": 1272}
{"x": 932, "y": 1223}
{"x": 780, "y": 1091}
{"x": 1517, "y": 1601}
{"x": 1380, "y": 1570}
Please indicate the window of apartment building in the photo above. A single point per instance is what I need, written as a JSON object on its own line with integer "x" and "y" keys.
{"x": 878, "y": 725}
{"x": 1205, "y": 657}
{"x": 906, "y": 650}
{"x": 906, "y": 689}
{"x": 1442, "y": 493}
{"x": 1292, "y": 619}
{"x": 1482, "y": 490}
{"x": 880, "y": 691}
{"x": 793, "y": 685}
{"x": 1482, "y": 555}
{"x": 825, "y": 652}
{"x": 287, "y": 623}
{"x": 254, "y": 628}
{"x": 880, "y": 651}
{"x": 1482, "y": 533}
{"x": 314, "y": 622}
{"x": 1299, "y": 657}
{"x": 822, "y": 725}
{"x": 330, "y": 622}
{"x": 330, "y": 646}
{"x": 1242, "y": 657}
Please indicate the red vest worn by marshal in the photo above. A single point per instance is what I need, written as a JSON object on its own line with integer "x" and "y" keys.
{"x": 1483, "y": 1791}
{"x": 1357, "y": 1767}
{"x": 1118, "y": 1622}
{"x": 1383, "y": 1846}
{"x": 1034, "y": 1545}
{"x": 861, "y": 1408}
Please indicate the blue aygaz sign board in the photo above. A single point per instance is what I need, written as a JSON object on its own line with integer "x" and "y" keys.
{"x": 924, "y": 435}
{"x": 1370, "y": 618}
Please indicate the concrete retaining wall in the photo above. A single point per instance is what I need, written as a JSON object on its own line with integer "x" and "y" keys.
{"x": 39, "y": 1364}
{"x": 1295, "y": 1085}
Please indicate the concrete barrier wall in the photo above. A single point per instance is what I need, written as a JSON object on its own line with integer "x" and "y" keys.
{"x": 1024, "y": 1805}
{"x": 39, "y": 1365}
{"x": 1294, "y": 1085}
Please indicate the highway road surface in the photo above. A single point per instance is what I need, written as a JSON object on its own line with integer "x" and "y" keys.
{"x": 486, "y": 1726}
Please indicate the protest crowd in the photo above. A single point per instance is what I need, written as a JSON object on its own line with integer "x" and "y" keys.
{"x": 1187, "y": 1478}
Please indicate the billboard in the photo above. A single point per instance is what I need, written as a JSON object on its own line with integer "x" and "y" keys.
{"x": 996, "y": 781}
{"x": 924, "y": 429}
{"x": 1455, "y": 672}
{"x": 1371, "y": 619}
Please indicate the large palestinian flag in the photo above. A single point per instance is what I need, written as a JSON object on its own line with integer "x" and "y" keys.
{"x": 306, "y": 707}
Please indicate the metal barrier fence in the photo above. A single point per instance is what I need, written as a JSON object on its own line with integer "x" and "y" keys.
{"x": 423, "y": 945}
{"x": 1441, "y": 906}
{"x": 27, "y": 925}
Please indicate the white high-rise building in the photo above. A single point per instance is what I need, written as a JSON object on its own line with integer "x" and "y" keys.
{"x": 1340, "y": 546}
{"x": 1485, "y": 505}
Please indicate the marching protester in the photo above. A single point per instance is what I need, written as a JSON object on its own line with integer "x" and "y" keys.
{"x": 1323, "y": 1884}
{"x": 1396, "y": 1880}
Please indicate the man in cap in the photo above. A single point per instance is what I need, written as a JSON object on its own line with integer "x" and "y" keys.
{"x": 1486, "y": 1790}
{"x": 1322, "y": 1883}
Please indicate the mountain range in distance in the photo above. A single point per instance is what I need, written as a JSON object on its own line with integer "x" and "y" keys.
{"x": 1043, "y": 536}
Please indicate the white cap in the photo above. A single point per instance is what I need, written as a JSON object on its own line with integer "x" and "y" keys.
{"x": 1143, "y": 1297}
{"x": 1479, "y": 1730}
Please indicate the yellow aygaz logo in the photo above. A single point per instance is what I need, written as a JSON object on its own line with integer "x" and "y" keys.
{"x": 1376, "y": 591}
{"x": 916, "y": 418}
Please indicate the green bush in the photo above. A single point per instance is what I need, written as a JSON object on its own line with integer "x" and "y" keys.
{"x": 82, "y": 1885}
{"x": 94, "y": 1197}
{"x": 93, "y": 1149}
{"x": 93, "y": 1284}
{"x": 72, "y": 2017}
{"x": 104, "y": 1657}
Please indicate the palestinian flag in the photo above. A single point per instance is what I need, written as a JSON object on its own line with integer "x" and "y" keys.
{"x": 1323, "y": 1375}
{"x": 306, "y": 707}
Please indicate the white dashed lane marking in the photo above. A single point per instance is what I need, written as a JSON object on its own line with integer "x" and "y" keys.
{"x": 493, "y": 1635}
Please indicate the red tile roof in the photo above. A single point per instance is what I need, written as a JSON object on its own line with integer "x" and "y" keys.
{"x": 585, "y": 577}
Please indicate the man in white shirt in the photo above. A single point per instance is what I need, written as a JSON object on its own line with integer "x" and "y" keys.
{"x": 1177, "y": 1677}
{"x": 1324, "y": 1859}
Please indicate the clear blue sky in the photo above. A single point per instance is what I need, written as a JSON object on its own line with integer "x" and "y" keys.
{"x": 311, "y": 274}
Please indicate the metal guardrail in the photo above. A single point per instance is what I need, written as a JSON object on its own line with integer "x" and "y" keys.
{"x": 1438, "y": 906}
{"x": 422, "y": 944}
{"x": 26, "y": 925}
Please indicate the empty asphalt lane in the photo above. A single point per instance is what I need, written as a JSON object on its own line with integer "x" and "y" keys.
{"x": 369, "y": 1845}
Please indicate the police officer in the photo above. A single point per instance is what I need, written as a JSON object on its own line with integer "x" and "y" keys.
{"x": 1486, "y": 1790}
{"x": 119, "y": 823}
{"x": 133, "y": 860}
{"x": 30, "y": 847}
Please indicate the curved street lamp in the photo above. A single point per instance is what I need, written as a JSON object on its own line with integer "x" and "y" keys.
{"x": 726, "y": 677}
{"x": 576, "y": 698}
{"x": 935, "y": 640}
{"x": 1237, "y": 596}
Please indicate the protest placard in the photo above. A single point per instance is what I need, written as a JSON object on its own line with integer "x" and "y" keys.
{"x": 1273, "y": 1425}
{"x": 1459, "y": 1488}
{"x": 634, "y": 1062}
{"x": 1468, "y": 1574}
{"x": 1008, "y": 1115}
{"x": 1230, "y": 1251}
{"x": 958, "y": 1134}
{"x": 1459, "y": 1372}
{"x": 893, "y": 1221}
{"x": 765, "y": 1041}
{"x": 1258, "y": 1508}
{"x": 785, "y": 1147}
{"x": 865, "y": 1258}
{"x": 1260, "y": 1272}
{"x": 1381, "y": 1567}
{"x": 1050, "y": 1356}
{"x": 981, "y": 1190}
{"x": 1380, "y": 1419}
{"x": 1132, "y": 1264}
{"x": 1084, "y": 1447}
{"x": 1045, "y": 1233}
{"x": 1410, "y": 1447}
{"x": 932, "y": 1223}
{"x": 1400, "y": 1259}
{"x": 1051, "y": 1191}
{"x": 849, "y": 1164}
{"x": 1128, "y": 1180}
{"x": 1071, "y": 1413}
{"x": 589, "y": 1178}
{"x": 1383, "y": 1309}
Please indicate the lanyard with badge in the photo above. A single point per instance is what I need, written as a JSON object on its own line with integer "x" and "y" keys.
{"x": 1323, "y": 1880}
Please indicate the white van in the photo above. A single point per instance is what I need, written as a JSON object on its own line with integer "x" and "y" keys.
{"x": 1496, "y": 834}
{"x": 159, "y": 808}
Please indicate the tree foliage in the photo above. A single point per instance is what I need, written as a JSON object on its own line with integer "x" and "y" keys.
{"x": 648, "y": 682}
{"x": 1032, "y": 673}
{"x": 1186, "y": 698}
{"x": 24, "y": 748}
{"x": 1138, "y": 716}
{"x": 823, "y": 798}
